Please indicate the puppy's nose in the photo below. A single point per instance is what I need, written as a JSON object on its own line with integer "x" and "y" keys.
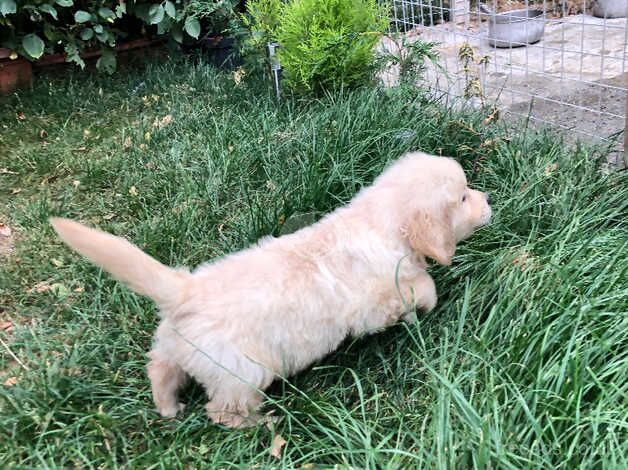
{"x": 488, "y": 198}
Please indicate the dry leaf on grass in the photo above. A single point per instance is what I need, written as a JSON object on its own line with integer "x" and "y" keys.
{"x": 163, "y": 122}
{"x": 6, "y": 326}
{"x": 40, "y": 287}
{"x": 5, "y": 230}
{"x": 493, "y": 116}
{"x": 550, "y": 169}
{"x": 133, "y": 191}
{"x": 6, "y": 240}
{"x": 10, "y": 382}
{"x": 238, "y": 75}
{"x": 278, "y": 443}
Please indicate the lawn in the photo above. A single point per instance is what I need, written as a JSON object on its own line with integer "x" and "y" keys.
{"x": 523, "y": 364}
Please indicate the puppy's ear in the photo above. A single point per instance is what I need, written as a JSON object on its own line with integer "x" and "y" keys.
{"x": 431, "y": 234}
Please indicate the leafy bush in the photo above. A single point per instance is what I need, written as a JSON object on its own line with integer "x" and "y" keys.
{"x": 325, "y": 44}
{"x": 31, "y": 28}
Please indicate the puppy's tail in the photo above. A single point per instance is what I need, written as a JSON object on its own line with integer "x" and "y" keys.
{"x": 124, "y": 261}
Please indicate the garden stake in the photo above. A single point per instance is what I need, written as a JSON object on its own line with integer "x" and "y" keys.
{"x": 275, "y": 66}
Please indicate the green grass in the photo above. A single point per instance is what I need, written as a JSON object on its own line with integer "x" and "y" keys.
{"x": 523, "y": 364}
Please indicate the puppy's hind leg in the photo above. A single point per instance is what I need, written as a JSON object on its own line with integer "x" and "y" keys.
{"x": 235, "y": 390}
{"x": 165, "y": 379}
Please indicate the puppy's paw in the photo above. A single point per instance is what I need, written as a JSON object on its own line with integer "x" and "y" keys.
{"x": 170, "y": 411}
{"x": 233, "y": 419}
{"x": 410, "y": 318}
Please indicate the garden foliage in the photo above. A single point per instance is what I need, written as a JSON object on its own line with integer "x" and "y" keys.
{"x": 32, "y": 28}
{"x": 324, "y": 44}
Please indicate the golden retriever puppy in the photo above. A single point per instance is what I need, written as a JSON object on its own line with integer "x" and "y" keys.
{"x": 273, "y": 309}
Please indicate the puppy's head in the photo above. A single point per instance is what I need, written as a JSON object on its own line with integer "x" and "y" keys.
{"x": 441, "y": 209}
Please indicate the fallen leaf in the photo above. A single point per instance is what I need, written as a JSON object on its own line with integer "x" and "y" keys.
{"x": 549, "y": 169}
{"x": 142, "y": 146}
{"x": 5, "y": 230}
{"x": 43, "y": 134}
{"x": 133, "y": 191}
{"x": 278, "y": 443}
{"x": 57, "y": 262}
{"x": 21, "y": 116}
{"x": 6, "y": 171}
{"x": 163, "y": 122}
{"x": 6, "y": 326}
{"x": 78, "y": 290}
{"x": 76, "y": 183}
{"x": 147, "y": 136}
{"x": 128, "y": 142}
{"x": 82, "y": 149}
{"x": 237, "y": 75}
{"x": 10, "y": 382}
{"x": 40, "y": 287}
{"x": 493, "y": 116}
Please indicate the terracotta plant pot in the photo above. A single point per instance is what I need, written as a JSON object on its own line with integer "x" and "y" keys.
{"x": 14, "y": 73}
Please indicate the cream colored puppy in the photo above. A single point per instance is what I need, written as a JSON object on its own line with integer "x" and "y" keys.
{"x": 275, "y": 308}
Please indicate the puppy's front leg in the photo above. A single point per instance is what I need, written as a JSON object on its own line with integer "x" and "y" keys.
{"x": 420, "y": 294}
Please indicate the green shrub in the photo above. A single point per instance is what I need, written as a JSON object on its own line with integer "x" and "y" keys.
{"x": 33, "y": 27}
{"x": 325, "y": 44}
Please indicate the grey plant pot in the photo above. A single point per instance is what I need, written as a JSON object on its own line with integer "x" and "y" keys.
{"x": 610, "y": 8}
{"x": 516, "y": 28}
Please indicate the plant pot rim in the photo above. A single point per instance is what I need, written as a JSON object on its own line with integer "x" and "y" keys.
{"x": 6, "y": 54}
{"x": 50, "y": 59}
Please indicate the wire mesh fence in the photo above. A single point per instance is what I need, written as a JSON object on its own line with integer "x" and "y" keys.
{"x": 554, "y": 62}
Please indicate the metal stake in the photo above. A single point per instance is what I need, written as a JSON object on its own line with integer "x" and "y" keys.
{"x": 275, "y": 66}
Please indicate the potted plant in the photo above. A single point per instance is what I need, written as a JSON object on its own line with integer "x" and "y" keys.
{"x": 216, "y": 18}
{"x": 610, "y": 8}
{"x": 15, "y": 72}
{"x": 323, "y": 44}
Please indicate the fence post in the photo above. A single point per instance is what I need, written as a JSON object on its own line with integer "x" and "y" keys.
{"x": 459, "y": 11}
